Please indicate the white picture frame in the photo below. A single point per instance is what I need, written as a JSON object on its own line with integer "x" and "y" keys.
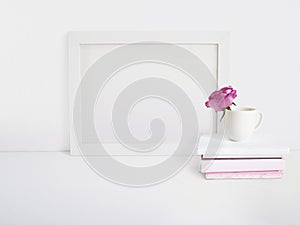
{"x": 78, "y": 38}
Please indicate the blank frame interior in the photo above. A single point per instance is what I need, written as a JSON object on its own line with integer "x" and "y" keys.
{"x": 85, "y": 48}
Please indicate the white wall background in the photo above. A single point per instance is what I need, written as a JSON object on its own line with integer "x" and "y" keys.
{"x": 33, "y": 83}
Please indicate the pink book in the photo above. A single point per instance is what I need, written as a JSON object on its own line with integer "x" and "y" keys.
{"x": 276, "y": 174}
{"x": 236, "y": 165}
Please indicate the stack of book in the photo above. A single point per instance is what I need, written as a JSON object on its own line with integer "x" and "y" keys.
{"x": 241, "y": 160}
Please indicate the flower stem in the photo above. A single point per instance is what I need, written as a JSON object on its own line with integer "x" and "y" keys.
{"x": 222, "y": 115}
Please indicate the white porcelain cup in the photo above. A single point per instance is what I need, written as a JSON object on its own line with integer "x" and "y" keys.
{"x": 241, "y": 122}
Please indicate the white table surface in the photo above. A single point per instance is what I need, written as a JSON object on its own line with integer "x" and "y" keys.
{"x": 55, "y": 188}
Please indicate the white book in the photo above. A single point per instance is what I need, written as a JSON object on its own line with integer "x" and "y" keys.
{"x": 244, "y": 175}
{"x": 256, "y": 147}
{"x": 235, "y": 165}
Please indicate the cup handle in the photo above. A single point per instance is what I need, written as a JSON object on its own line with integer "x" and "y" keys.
{"x": 259, "y": 120}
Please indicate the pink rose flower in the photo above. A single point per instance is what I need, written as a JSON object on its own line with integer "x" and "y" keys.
{"x": 221, "y": 99}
